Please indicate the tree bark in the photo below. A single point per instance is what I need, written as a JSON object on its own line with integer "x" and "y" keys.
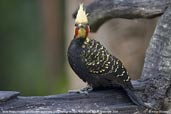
{"x": 157, "y": 66}
{"x": 101, "y": 11}
{"x": 114, "y": 102}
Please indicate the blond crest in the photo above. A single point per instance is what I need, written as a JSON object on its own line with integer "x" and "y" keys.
{"x": 81, "y": 15}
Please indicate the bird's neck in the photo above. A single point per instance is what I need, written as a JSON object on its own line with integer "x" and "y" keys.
{"x": 81, "y": 41}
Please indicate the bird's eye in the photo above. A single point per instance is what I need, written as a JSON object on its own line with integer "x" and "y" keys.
{"x": 76, "y": 24}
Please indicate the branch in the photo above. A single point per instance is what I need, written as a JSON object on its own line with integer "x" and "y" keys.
{"x": 6, "y": 95}
{"x": 101, "y": 11}
{"x": 105, "y": 101}
{"x": 157, "y": 66}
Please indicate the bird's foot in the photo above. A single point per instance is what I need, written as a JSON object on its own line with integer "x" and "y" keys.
{"x": 85, "y": 90}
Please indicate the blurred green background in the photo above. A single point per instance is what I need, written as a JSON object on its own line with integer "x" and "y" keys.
{"x": 32, "y": 54}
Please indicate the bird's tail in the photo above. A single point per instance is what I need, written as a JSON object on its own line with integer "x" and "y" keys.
{"x": 134, "y": 98}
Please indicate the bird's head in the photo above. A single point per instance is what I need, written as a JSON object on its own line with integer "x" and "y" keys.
{"x": 82, "y": 28}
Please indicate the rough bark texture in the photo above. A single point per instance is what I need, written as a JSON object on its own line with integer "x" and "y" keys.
{"x": 157, "y": 66}
{"x": 105, "y": 101}
{"x": 7, "y": 95}
{"x": 101, "y": 11}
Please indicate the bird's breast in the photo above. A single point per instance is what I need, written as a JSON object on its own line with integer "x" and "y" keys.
{"x": 75, "y": 60}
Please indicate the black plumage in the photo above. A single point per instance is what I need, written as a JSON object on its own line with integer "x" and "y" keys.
{"x": 95, "y": 65}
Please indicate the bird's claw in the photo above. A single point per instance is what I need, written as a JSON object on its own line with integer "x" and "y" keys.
{"x": 88, "y": 89}
{"x": 150, "y": 106}
{"x": 85, "y": 90}
{"x": 78, "y": 91}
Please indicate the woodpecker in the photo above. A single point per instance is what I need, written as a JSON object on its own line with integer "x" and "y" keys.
{"x": 91, "y": 61}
